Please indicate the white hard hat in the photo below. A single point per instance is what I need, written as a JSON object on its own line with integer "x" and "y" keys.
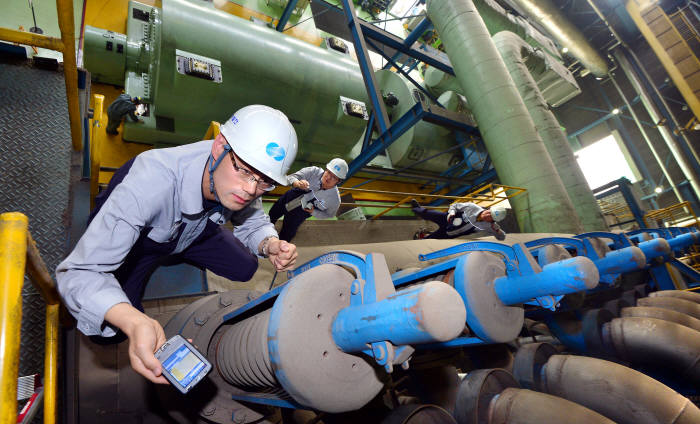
{"x": 263, "y": 138}
{"x": 338, "y": 167}
{"x": 498, "y": 213}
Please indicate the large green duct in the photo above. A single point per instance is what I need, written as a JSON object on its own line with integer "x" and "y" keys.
{"x": 516, "y": 54}
{"x": 517, "y": 151}
{"x": 257, "y": 65}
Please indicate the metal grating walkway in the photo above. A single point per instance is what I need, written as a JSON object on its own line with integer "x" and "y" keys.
{"x": 35, "y": 147}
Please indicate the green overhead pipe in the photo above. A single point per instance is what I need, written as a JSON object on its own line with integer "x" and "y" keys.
{"x": 516, "y": 150}
{"x": 566, "y": 33}
{"x": 517, "y": 55}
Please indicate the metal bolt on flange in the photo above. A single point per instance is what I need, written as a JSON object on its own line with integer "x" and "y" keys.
{"x": 239, "y": 418}
{"x": 209, "y": 411}
{"x": 355, "y": 288}
{"x": 201, "y": 319}
{"x": 225, "y": 301}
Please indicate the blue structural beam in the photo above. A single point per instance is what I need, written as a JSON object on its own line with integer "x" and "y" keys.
{"x": 286, "y": 15}
{"x": 416, "y": 315}
{"x": 423, "y": 26}
{"x": 404, "y": 73}
{"x": 358, "y": 39}
{"x": 396, "y": 43}
{"x": 418, "y": 112}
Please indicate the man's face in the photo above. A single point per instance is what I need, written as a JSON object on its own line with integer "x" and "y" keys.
{"x": 486, "y": 216}
{"x": 234, "y": 184}
{"x": 329, "y": 180}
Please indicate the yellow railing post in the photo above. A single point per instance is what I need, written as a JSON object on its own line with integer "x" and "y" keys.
{"x": 19, "y": 254}
{"x": 70, "y": 70}
{"x": 51, "y": 363}
{"x": 13, "y": 256}
{"x": 96, "y": 146}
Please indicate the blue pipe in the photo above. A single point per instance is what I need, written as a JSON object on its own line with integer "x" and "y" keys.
{"x": 620, "y": 261}
{"x": 681, "y": 242}
{"x": 428, "y": 313}
{"x": 655, "y": 248}
{"x": 558, "y": 278}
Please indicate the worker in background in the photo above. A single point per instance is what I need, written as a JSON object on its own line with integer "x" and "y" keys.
{"x": 462, "y": 219}
{"x": 169, "y": 204}
{"x": 314, "y": 192}
{"x": 121, "y": 107}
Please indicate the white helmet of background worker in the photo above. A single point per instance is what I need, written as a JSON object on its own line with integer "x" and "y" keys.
{"x": 498, "y": 213}
{"x": 263, "y": 138}
{"x": 338, "y": 167}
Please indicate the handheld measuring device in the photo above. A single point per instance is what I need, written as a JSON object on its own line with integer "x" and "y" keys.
{"x": 183, "y": 365}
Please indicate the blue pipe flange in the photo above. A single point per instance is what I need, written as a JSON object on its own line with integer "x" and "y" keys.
{"x": 306, "y": 361}
{"x": 489, "y": 285}
{"x": 610, "y": 265}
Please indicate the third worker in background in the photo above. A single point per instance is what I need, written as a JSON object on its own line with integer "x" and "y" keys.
{"x": 314, "y": 192}
{"x": 462, "y": 219}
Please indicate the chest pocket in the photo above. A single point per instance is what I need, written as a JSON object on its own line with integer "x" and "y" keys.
{"x": 165, "y": 234}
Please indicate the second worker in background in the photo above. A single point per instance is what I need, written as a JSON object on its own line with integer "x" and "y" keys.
{"x": 314, "y": 192}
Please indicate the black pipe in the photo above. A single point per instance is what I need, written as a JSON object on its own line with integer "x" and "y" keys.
{"x": 655, "y": 342}
{"x": 622, "y": 394}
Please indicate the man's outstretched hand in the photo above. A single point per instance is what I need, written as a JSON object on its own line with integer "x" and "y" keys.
{"x": 145, "y": 336}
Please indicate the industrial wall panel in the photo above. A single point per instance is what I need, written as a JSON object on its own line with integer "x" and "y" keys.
{"x": 35, "y": 146}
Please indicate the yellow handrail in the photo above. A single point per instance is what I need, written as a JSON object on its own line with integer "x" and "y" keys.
{"x": 65, "y": 45}
{"x": 96, "y": 146}
{"x": 19, "y": 254}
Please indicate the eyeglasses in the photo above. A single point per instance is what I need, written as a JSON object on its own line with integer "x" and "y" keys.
{"x": 248, "y": 176}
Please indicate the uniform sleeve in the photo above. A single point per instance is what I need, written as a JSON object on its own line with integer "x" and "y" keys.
{"x": 470, "y": 211}
{"x": 252, "y": 225}
{"x": 302, "y": 174}
{"x": 331, "y": 199}
{"x": 85, "y": 278}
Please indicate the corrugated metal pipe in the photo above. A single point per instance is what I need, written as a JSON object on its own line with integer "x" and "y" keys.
{"x": 566, "y": 34}
{"x": 622, "y": 394}
{"x": 517, "y": 151}
{"x": 515, "y": 53}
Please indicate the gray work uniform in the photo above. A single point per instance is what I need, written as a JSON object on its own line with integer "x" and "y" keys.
{"x": 160, "y": 201}
{"x": 469, "y": 212}
{"x": 328, "y": 200}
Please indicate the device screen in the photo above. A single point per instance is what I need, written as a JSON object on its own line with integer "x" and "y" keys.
{"x": 184, "y": 365}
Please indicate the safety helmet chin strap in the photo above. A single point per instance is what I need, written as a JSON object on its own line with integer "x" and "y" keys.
{"x": 213, "y": 164}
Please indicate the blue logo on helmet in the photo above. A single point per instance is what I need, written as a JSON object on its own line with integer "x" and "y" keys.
{"x": 337, "y": 168}
{"x": 275, "y": 151}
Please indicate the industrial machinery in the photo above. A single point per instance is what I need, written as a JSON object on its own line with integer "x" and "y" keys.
{"x": 330, "y": 338}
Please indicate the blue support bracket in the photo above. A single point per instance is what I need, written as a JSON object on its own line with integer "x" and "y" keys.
{"x": 525, "y": 280}
{"x": 423, "y": 26}
{"x": 619, "y": 240}
{"x": 286, "y": 15}
{"x": 610, "y": 266}
{"x": 387, "y": 336}
{"x": 689, "y": 272}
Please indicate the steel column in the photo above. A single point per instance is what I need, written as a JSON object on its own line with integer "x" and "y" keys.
{"x": 286, "y": 15}
{"x": 358, "y": 39}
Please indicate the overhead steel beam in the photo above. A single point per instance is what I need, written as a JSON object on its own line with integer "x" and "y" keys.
{"x": 358, "y": 39}
{"x": 286, "y": 15}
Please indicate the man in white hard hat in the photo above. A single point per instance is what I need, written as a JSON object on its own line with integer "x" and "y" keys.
{"x": 462, "y": 219}
{"x": 314, "y": 193}
{"x": 169, "y": 205}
